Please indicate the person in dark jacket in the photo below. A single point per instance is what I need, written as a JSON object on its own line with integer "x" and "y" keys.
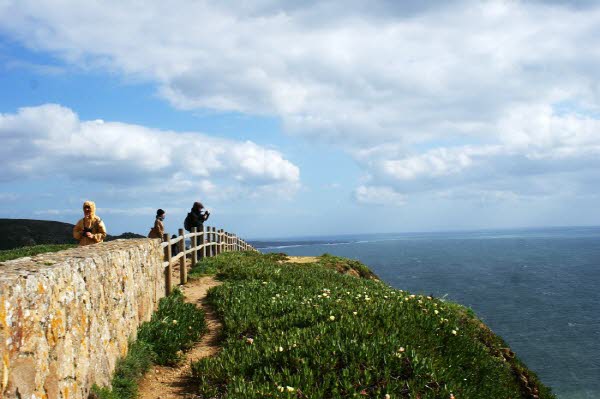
{"x": 174, "y": 247}
{"x": 196, "y": 217}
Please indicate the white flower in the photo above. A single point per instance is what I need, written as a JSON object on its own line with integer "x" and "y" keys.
{"x": 290, "y": 389}
{"x": 354, "y": 313}
{"x": 174, "y": 321}
{"x": 280, "y": 349}
{"x": 454, "y": 332}
{"x": 249, "y": 341}
{"x": 332, "y": 318}
{"x": 436, "y": 311}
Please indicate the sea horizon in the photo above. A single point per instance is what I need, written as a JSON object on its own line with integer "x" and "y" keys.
{"x": 536, "y": 288}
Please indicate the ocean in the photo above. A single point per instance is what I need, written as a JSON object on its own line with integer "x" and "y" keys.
{"x": 539, "y": 289}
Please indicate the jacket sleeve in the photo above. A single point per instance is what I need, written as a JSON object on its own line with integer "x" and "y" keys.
{"x": 78, "y": 230}
{"x": 205, "y": 216}
{"x": 101, "y": 235}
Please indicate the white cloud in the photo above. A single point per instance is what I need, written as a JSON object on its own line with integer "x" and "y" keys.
{"x": 427, "y": 97}
{"x": 51, "y": 140}
{"x": 378, "y": 195}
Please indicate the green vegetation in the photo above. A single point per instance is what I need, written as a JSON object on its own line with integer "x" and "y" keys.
{"x": 307, "y": 331}
{"x": 127, "y": 372}
{"x": 174, "y": 327}
{"x": 16, "y": 253}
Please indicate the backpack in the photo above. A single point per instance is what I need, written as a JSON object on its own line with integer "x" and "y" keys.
{"x": 187, "y": 223}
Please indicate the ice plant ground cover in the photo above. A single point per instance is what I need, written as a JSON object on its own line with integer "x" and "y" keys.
{"x": 173, "y": 328}
{"x": 319, "y": 331}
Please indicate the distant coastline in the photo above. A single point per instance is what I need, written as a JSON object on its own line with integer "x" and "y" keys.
{"x": 16, "y": 233}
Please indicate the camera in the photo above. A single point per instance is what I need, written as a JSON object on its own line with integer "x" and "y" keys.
{"x": 86, "y": 230}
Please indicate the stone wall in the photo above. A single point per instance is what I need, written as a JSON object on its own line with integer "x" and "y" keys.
{"x": 66, "y": 317}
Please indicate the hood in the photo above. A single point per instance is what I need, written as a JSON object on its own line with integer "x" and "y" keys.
{"x": 197, "y": 207}
{"x": 92, "y": 206}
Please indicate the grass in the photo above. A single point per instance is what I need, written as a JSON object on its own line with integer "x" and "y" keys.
{"x": 173, "y": 328}
{"x": 308, "y": 331}
{"x": 10, "y": 254}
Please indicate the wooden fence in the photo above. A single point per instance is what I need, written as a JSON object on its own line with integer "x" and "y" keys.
{"x": 204, "y": 244}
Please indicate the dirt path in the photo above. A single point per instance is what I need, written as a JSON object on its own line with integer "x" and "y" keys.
{"x": 174, "y": 382}
{"x": 302, "y": 259}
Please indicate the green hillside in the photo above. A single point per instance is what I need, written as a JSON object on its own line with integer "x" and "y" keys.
{"x": 17, "y": 233}
{"x": 309, "y": 331}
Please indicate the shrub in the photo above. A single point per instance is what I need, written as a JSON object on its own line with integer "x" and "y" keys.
{"x": 9, "y": 254}
{"x": 307, "y": 331}
{"x": 174, "y": 327}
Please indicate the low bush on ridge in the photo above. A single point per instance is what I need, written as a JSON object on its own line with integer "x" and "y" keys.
{"x": 10, "y": 254}
{"x": 173, "y": 328}
{"x": 307, "y": 331}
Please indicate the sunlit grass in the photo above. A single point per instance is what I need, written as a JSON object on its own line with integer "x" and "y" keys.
{"x": 305, "y": 330}
{"x": 10, "y": 254}
{"x": 174, "y": 328}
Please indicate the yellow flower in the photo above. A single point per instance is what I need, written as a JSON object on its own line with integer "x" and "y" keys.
{"x": 174, "y": 321}
{"x": 332, "y": 318}
{"x": 280, "y": 349}
{"x": 354, "y": 313}
{"x": 436, "y": 311}
{"x": 290, "y": 389}
{"x": 453, "y": 332}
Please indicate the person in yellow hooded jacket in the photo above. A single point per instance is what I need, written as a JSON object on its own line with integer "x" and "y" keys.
{"x": 90, "y": 229}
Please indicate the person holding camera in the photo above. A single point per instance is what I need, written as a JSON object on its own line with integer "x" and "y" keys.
{"x": 90, "y": 229}
{"x": 196, "y": 217}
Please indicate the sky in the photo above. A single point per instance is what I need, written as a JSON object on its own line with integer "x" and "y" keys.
{"x": 302, "y": 118}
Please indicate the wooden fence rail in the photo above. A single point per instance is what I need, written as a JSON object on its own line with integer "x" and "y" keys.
{"x": 204, "y": 244}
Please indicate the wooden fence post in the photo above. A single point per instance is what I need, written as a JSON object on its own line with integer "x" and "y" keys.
{"x": 212, "y": 242}
{"x": 207, "y": 242}
{"x": 215, "y": 239}
{"x": 221, "y": 241}
{"x": 218, "y": 246}
{"x": 168, "y": 287}
{"x": 203, "y": 242}
{"x": 194, "y": 245}
{"x": 182, "y": 269}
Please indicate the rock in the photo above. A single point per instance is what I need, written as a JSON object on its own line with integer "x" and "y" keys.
{"x": 66, "y": 317}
